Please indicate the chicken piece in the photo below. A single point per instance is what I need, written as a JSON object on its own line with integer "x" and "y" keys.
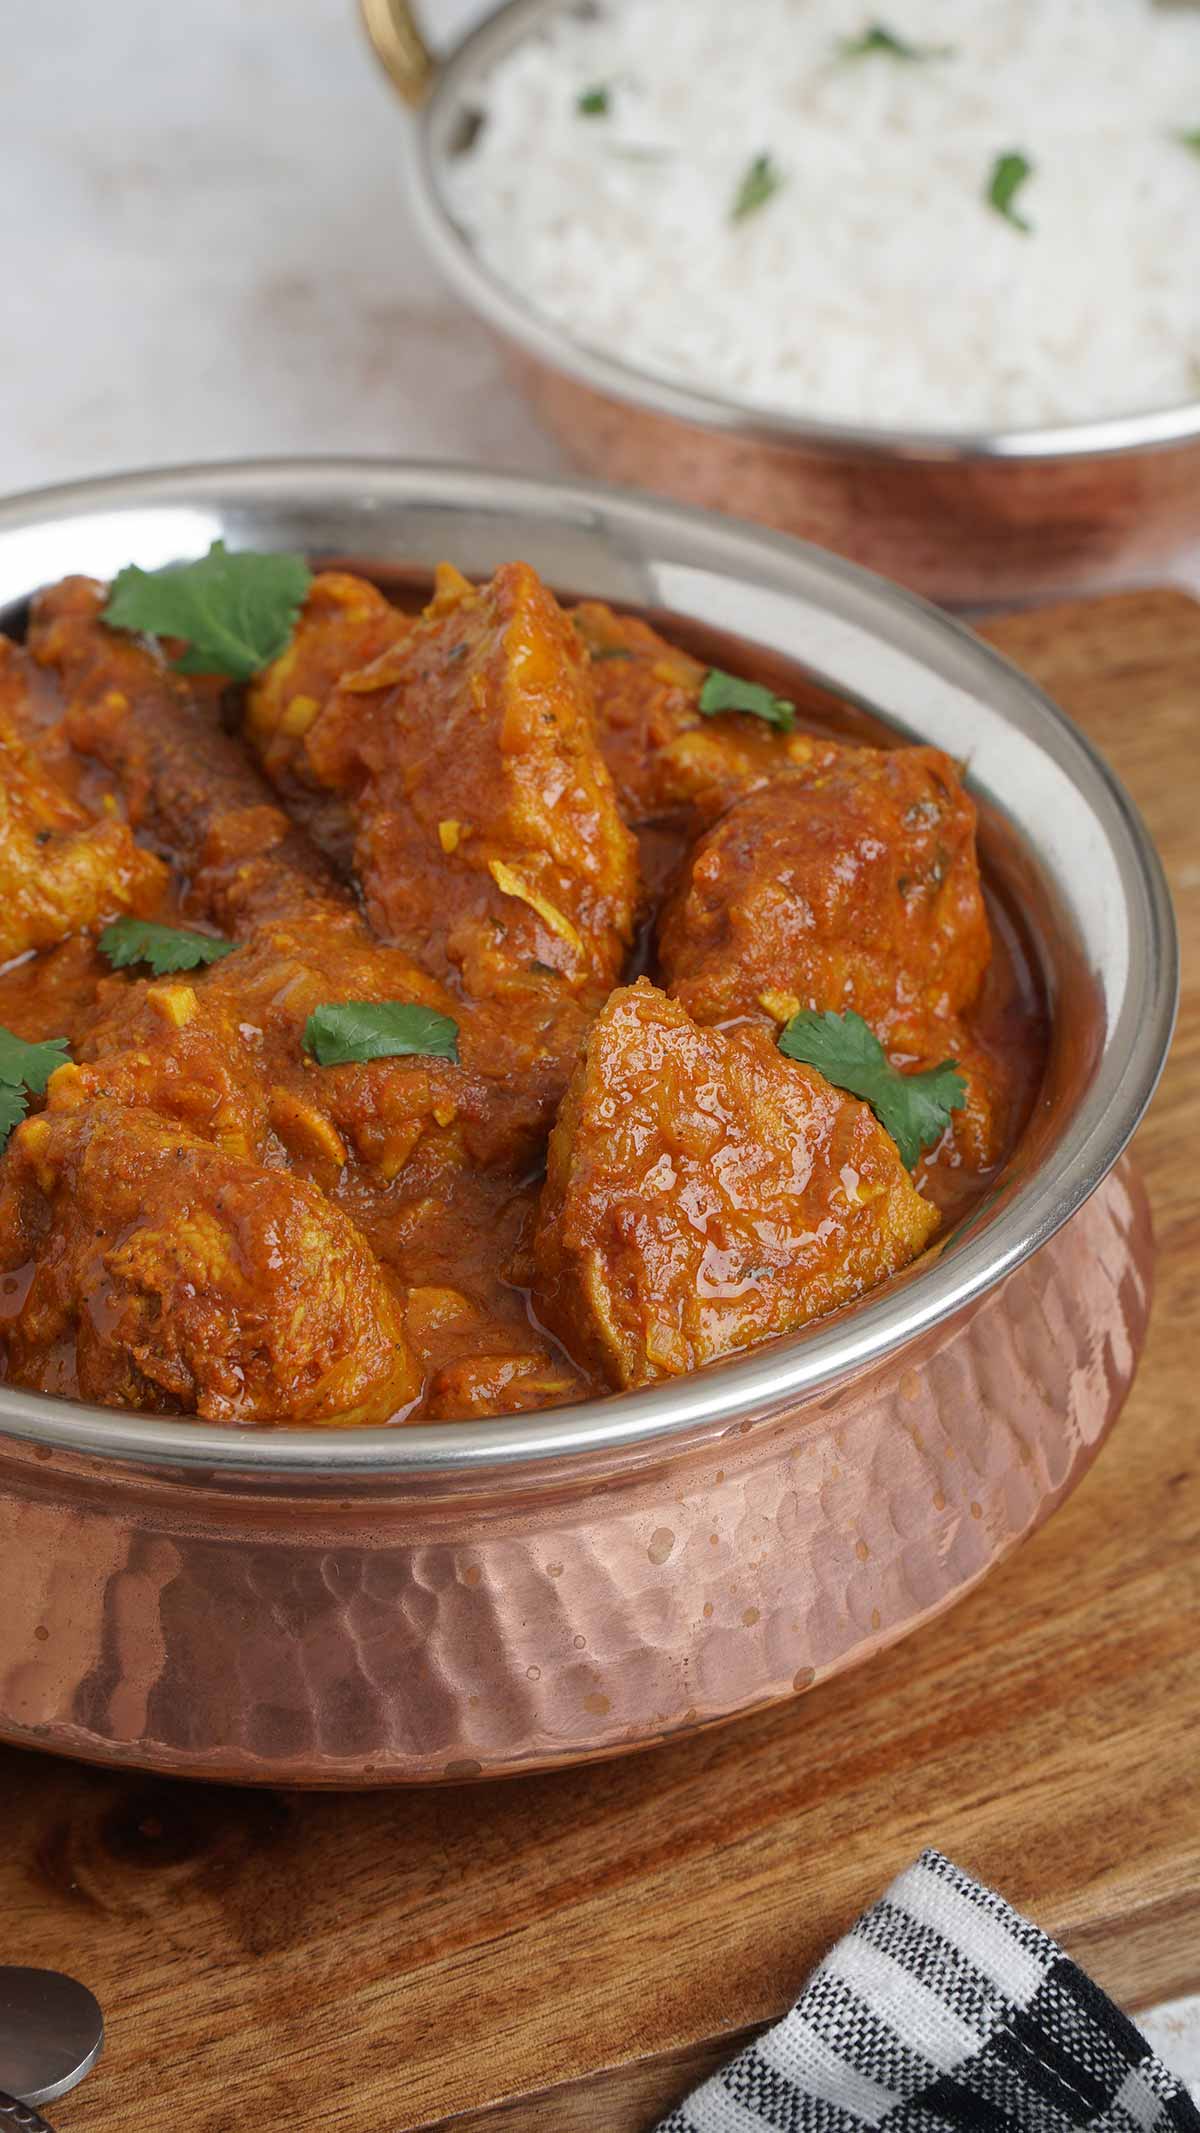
{"x": 254, "y": 875}
{"x": 170, "y": 1047}
{"x": 228, "y": 1044}
{"x": 344, "y": 624}
{"x": 180, "y": 1078}
{"x": 704, "y": 1193}
{"x": 487, "y": 836}
{"x": 61, "y": 870}
{"x": 666, "y": 756}
{"x": 184, "y": 783}
{"x": 857, "y": 889}
{"x": 180, "y": 1278}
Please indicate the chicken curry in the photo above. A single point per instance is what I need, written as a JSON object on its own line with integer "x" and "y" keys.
{"x": 459, "y": 1012}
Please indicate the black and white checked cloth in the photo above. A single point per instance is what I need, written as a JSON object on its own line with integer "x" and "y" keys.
{"x": 944, "y": 2011}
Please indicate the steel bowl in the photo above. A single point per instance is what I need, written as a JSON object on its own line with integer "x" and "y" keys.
{"x": 376, "y": 1606}
{"x": 968, "y": 519}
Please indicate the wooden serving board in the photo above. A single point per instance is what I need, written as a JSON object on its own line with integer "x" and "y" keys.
{"x": 572, "y": 1951}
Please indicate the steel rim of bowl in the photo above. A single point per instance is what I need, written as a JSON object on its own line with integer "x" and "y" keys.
{"x": 1154, "y": 429}
{"x": 1135, "y": 1048}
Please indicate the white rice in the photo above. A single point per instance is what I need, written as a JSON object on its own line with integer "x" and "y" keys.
{"x": 877, "y": 285}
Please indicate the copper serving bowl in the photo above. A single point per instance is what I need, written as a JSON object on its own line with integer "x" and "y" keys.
{"x": 969, "y": 519}
{"x": 377, "y": 1606}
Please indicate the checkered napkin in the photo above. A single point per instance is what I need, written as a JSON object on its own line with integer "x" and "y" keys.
{"x": 944, "y": 2011}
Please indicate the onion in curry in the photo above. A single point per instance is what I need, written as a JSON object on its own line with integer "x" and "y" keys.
{"x": 519, "y": 817}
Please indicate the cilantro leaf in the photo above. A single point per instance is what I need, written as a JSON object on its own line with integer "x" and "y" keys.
{"x": 594, "y": 102}
{"x": 728, "y": 692}
{"x": 1008, "y": 175}
{"x": 1190, "y": 139}
{"x": 13, "y": 1105}
{"x": 24, "y": 1066}
{"x": 165, "y": 948}
{"x": 914, "y": 1108}
{"x": 345, "y": 1033}
{"x": 759, "y": 180}
{"x": 878, "y": 38}
{"x": 30, "y": 1066}
{"x": 236, "y": 612}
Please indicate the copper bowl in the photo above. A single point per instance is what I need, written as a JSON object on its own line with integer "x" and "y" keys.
{"x": 382, "y": 1606}
{"x": 968, "y": 519}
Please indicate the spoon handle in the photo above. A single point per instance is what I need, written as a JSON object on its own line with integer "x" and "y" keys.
{"x": 20, "y": 2117}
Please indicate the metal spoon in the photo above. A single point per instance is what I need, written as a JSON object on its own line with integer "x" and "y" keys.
{"x": 22, "y": 2116}
{"x": 51, "y": 2032}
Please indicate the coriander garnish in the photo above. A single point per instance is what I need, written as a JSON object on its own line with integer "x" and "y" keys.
{"x": 235, "y": 612}
{"x": 30, "y": 1066}
{"x": 758, "y": 182}
{"x": 594, "y": 102}
{"x": 1008, "y": 174}
{"x": 13, "y": 1105}
{"x": 348, "y": 1032}
{"x": 164, "y": 948}
{"x": 24, "y": 1066}
{"x": 728, "y": 692}
{"x": 1190, "y": 139}
{"x": 878, "y": 38}
{"x": 914, "y": 1108}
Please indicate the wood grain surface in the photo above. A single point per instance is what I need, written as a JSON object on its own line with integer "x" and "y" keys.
{"x": 570, "y": 1952}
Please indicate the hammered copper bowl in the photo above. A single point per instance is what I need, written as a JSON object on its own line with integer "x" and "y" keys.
{"x": 378, "y": 1606}
{"x": 968, "y": 519}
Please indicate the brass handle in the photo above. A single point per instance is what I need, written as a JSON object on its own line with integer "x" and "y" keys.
{"x": 399, "y": 46}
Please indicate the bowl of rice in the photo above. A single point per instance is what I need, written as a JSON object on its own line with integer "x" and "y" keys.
{"x": 920, "y": 286}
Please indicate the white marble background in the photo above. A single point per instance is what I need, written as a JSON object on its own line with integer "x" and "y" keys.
{"x": 206, "y": 249}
